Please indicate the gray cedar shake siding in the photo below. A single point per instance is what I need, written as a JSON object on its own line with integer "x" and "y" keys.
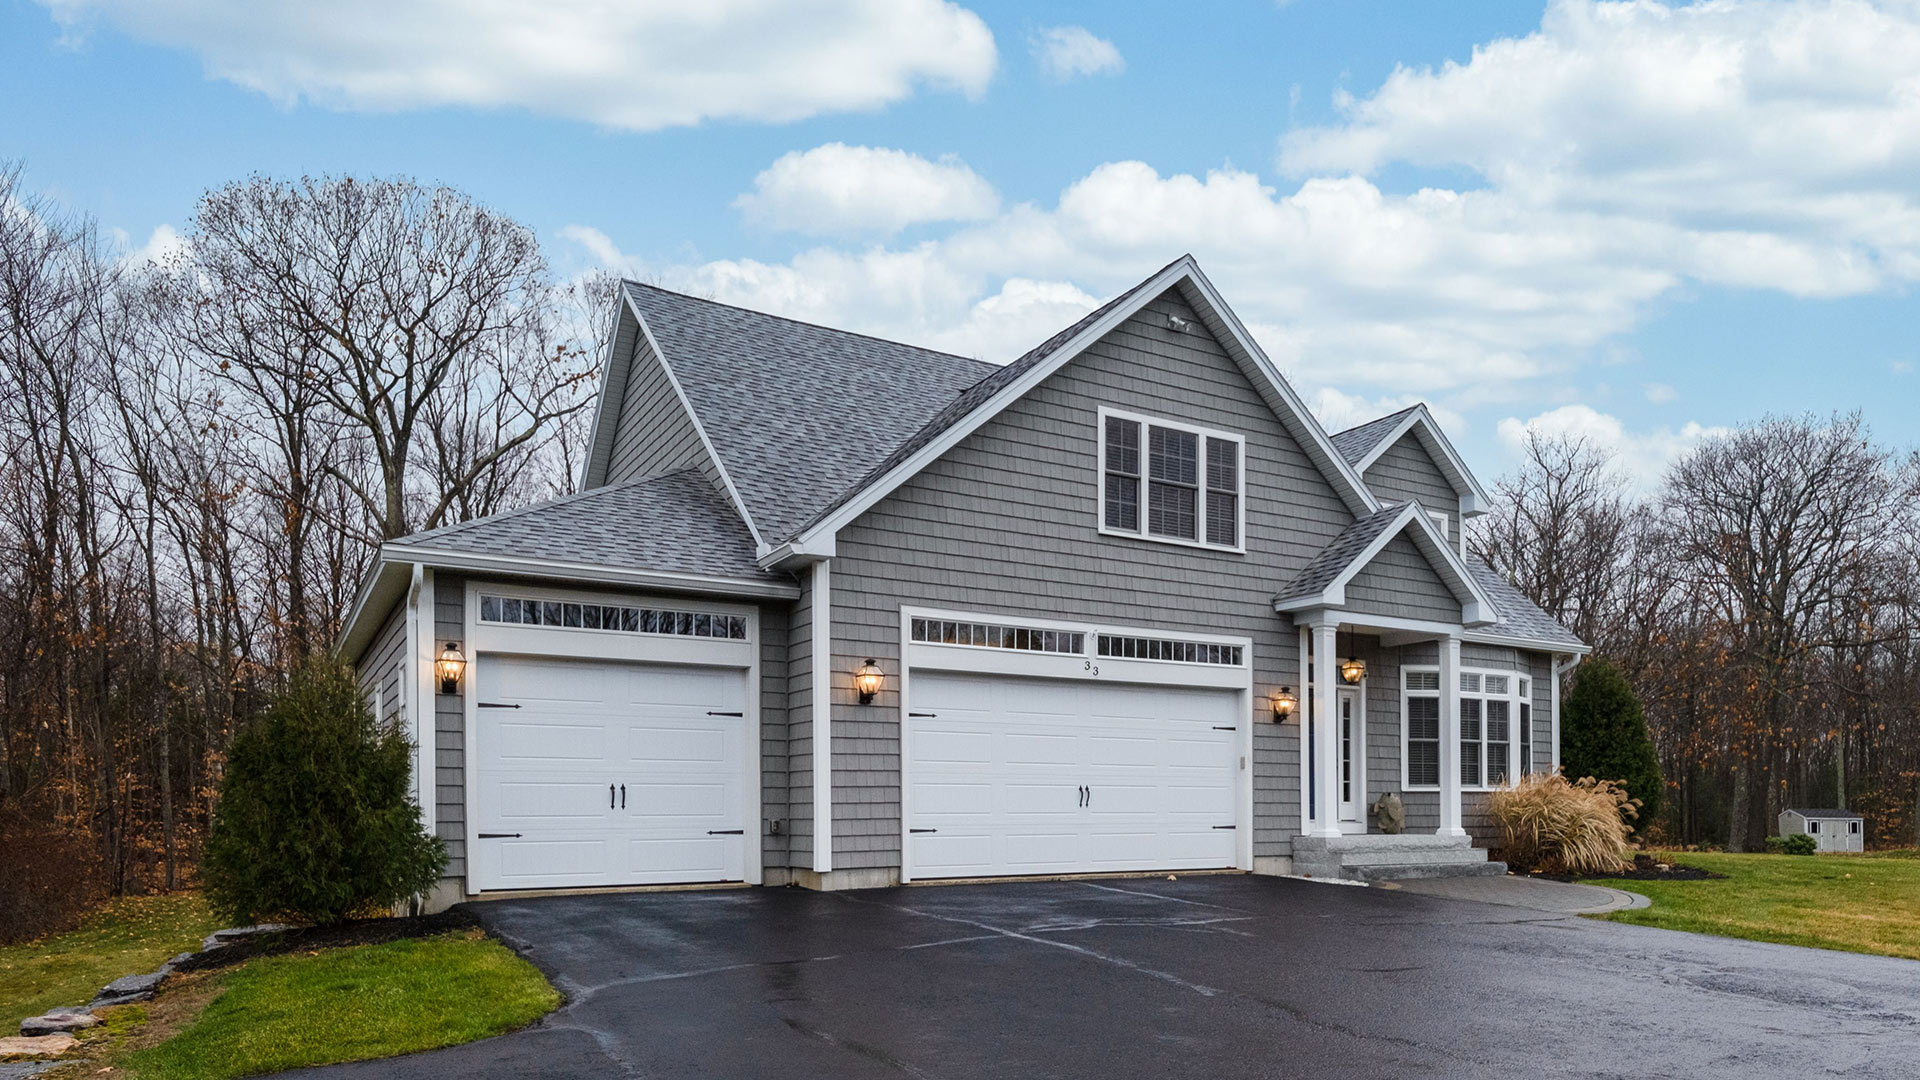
{"x": 450, "y": 726}
{"x": 1399, "y": 581}
{"x": 1404, "y": 472}
{"x": 655, "y": 433}
{"x": 1007, "y": 522}
{"x": 799, "y": 696}
{"x": 773, "y": 733}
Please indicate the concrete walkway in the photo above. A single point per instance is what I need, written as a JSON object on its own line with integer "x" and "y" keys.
{"x": 1537, "y": 894}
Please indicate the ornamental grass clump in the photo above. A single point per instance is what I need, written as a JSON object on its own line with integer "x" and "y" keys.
{"x": 1550, "y": 824}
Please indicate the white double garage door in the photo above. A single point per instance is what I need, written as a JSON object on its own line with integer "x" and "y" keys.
{"x": 1024, "y": 776}
{"x": 603, "y": 773}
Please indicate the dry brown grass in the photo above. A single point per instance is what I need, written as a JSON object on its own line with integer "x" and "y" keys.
{"x": 1548, "y": 823}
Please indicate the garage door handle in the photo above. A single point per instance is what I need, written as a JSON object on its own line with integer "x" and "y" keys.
{"x": 922, "y": 830}
{"x": 726, "y": 832}
{"x": 712, "y": 713}
{"x": 496, "y": 705}
{"x": 499, "y": 836}
{"x": 609, "y": 796}
{"x": 623, "y": 796}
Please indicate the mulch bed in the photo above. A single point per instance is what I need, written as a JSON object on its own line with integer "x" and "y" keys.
{"x": 1645, "y": 868}
{"x": 308, "y": 938}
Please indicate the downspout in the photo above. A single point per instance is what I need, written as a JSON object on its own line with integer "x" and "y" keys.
{"x": 1560, "y": 670}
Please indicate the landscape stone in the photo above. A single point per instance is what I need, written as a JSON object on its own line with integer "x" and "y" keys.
{"x": 129, "y": 988}
{"x": 240, "y": 933}
{"x": 55, "y": 1021}
{"x": 36, "y": 1046}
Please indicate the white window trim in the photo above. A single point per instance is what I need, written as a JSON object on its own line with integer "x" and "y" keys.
{"x": 1512, "y": 695}
{"x": 1442, "y": 524}
{"x": 1239, "y": 547}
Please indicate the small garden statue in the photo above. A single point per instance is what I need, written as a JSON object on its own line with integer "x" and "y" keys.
{"x": 1390, "y": 814}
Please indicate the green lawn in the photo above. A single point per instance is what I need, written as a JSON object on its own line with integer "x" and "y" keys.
{"x": 1856, "y": 903}
{"x": 368, "y": 1001}
{"x": 132, "y": 934}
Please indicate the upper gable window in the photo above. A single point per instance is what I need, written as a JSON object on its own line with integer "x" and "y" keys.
{"x": 1161, "y": 480}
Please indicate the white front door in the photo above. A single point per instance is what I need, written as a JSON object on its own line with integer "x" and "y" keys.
{"x": 1042, "y": 776}
{"x": 1351, "y": 738}
{"x": 593, "y": 772}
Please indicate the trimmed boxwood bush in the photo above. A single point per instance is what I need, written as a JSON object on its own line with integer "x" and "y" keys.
{"x": 315, "y": 821}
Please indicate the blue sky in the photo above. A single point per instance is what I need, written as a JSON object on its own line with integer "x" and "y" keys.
{"x": 1635, "y": 221}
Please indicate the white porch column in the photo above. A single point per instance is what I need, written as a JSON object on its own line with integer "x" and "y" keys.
{"x": 1326, "y": 745}
{"x": 1450, "y": 738}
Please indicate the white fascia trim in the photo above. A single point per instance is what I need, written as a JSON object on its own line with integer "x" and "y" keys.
{"x": 386, "y": 579}
{"x": 779, "y": 558}
{"x": 1358, "y": 497}
{"x": 1530, "y": 644}
{"x": 1473, "y": 497}
{"x": 601, "y": 404}
{"x": 820, "y": 657}
{"x": 700, "y": 429}
{"x": 591, "y": 572}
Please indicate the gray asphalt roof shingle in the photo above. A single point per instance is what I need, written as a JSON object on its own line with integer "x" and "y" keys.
{"x": 1356, "y": 443}
{"x": 676, "y": 523}
{"x": 797, "y": 412}
{"x": 1519, "y": 616}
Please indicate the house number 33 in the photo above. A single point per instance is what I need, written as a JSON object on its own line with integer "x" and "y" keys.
{"x": 1092, "y": 669}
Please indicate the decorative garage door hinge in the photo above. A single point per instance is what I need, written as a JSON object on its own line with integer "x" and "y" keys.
{"x": 496, "y": 705}
{"x": 499, "y": 835}
{"x": 726, "y": 832}
{"x": 710, "y": 712}
{"x": 928, "y": 715}
{"x": 1226, "y": 826}
{"x": 922, "y": 830}
{"x": 1227, "y": 727}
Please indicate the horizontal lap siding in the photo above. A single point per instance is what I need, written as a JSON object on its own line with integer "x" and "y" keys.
{"x": 655, "y": 434}
{"x": 1404, "y": 471}
{"x": 450, "y": 728}
{"x": 1007, "y": 523}
{"x": 1399, "y": 582}
{"x": 799, "y": 826}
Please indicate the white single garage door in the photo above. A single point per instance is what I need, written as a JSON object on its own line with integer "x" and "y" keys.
{"x": 1043, "y": 776}
{"x": 603, "y": 773}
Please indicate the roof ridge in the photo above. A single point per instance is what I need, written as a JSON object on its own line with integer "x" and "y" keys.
{"x": 813, "y": 325}
{"x": 1378, "y": 419}
{"x": 544, "y": 504}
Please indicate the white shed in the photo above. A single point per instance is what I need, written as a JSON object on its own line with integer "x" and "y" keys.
{"x": 1834, "y": 830}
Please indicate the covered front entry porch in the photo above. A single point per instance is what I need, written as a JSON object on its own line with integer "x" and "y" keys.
{"x": 1353, "y": 749}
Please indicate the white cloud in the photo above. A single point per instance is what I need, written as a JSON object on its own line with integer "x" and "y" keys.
{"x": 1781, "y": 139}
{"x": 1068, "y": 52}
{"x": 638, "y": 66}
{"x": 163, "y": 242}
{"x": 1660, "y": 393}
{"x": 841, "y": 189}
{"x": 1902, "y": 367}
{"x": 1482, "y": 299}
{"x": 1643, "y": 456}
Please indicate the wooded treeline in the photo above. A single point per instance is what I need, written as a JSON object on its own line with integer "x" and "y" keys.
{"x": 199, "y": 455}
{"x": 1765, "y": 602}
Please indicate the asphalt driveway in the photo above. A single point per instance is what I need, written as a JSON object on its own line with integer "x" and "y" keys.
{"x": 1222, "y": 977}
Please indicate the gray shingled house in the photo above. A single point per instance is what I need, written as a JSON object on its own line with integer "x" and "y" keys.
{"x": 840, "y": 612}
